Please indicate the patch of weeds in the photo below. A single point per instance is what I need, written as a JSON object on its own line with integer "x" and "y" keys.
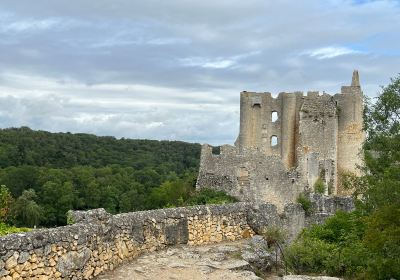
{"x": 319, "y": 186}
{"x": 305, "y": 204}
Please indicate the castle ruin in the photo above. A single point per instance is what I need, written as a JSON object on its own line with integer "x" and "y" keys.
{"x": 287, "y": 145}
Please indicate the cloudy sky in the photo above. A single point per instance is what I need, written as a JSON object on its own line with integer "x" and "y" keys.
{"x": 174, "y": 69}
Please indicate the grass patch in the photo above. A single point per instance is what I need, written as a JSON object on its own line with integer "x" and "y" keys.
{"x": 6, "y": 229}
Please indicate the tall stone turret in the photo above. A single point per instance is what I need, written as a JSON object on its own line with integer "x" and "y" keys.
{"x": 350, "y": 123}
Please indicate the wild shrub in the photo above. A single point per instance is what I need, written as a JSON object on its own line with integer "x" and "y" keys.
{"x": 305, "y": 204}
{"x": 319, "y": 186}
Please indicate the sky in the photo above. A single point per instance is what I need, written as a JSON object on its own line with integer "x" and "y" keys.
{"x": 174, "y": 70}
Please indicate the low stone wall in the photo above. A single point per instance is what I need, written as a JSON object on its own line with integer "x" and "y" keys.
{"x": 99, "y": 241}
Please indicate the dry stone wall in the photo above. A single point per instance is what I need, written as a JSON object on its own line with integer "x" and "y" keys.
{"x": 99, "y": 241}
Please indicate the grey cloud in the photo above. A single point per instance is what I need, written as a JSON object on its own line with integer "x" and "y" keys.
{"x": 54, "y": 114}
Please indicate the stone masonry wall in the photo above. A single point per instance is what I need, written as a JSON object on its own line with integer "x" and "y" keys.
{"x": 99, "y": 241}
{"x": 288, "y": 143}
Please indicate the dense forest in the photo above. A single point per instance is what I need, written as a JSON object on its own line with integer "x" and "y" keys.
{"x": 23, "y": 146}
{"x": 43, "y": 175}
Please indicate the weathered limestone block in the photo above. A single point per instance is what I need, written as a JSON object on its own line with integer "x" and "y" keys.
{"x": 12, "y": 261}
{"x": 73, "y": 261}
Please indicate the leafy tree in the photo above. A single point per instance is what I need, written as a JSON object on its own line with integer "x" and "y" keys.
{"x": 57, "y": 198}
{"x": 134, "y": 199}
{"x": 170, "y": 194}
{"x": 6, "y": 200}
{"x": 26, "y": 211}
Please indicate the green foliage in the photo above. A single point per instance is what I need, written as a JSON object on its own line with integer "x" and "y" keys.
{"x": 274, "y": 235}
{"x": 5, "y": 204}
{"x": 80, "y": 171}
{"x": 209, "y": 196}
{"x": 26, "y": 211}
{"x": 70, "y": 219}
{"x": 23, "y": 146}
{"x": 381, "y": 150}
{"x": 308, "y": 255}
{"x": 382, "y": 238}
{"x": 170, "y": 194}
{"x": 305, "y": 203}
{"x": 319, "y": 186}
{"x": 6, "y": 229}
{"x": 334, "y": 248}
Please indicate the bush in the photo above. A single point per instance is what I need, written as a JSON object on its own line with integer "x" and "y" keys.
{"x": 334, "y": 248}
{"x": 305, "y": 203}
{"x": 308, "y": 255}
{"x": 274, "y": 235}
{"x": 319, "y": 186}
{"x": 209, "y": 196}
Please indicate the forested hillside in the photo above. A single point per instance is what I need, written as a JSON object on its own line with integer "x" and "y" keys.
{"x": 23, "y": 146}
{"x": 43, "y": 174}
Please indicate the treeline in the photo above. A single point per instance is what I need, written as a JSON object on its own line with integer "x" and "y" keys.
{"x": 43, "y": 175}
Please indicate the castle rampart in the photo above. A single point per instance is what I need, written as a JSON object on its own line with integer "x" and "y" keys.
{"x": 289, "y": 143}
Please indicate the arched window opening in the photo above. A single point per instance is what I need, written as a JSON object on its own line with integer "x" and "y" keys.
{"x": 274, "y": 116}
{"x": 274, "y": 140}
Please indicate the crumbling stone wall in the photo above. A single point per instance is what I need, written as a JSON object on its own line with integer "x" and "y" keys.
{"x": 250, "y": 176}
{"x": 317, "y": 137}
{"x": 99, "y": 241}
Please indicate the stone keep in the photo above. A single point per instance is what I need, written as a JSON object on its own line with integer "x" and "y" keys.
{"x": 287, "y": 144}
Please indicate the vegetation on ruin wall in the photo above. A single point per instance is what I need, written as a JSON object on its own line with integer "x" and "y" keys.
{"x": 364, "y": 244}
{"x": 46, "y": 174}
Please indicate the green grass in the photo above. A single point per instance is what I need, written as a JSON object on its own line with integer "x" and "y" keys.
{"x": 6, "y": 229}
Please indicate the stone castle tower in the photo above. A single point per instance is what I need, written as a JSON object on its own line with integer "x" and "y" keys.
{"x": 287, "y": 144}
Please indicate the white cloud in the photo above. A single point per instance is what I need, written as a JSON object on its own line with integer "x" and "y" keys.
{"x": 117, "y": 42}
{"x": 217, "y": 63}
{"x": 331, "y": 52}
{"x": 207, "y": 63}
